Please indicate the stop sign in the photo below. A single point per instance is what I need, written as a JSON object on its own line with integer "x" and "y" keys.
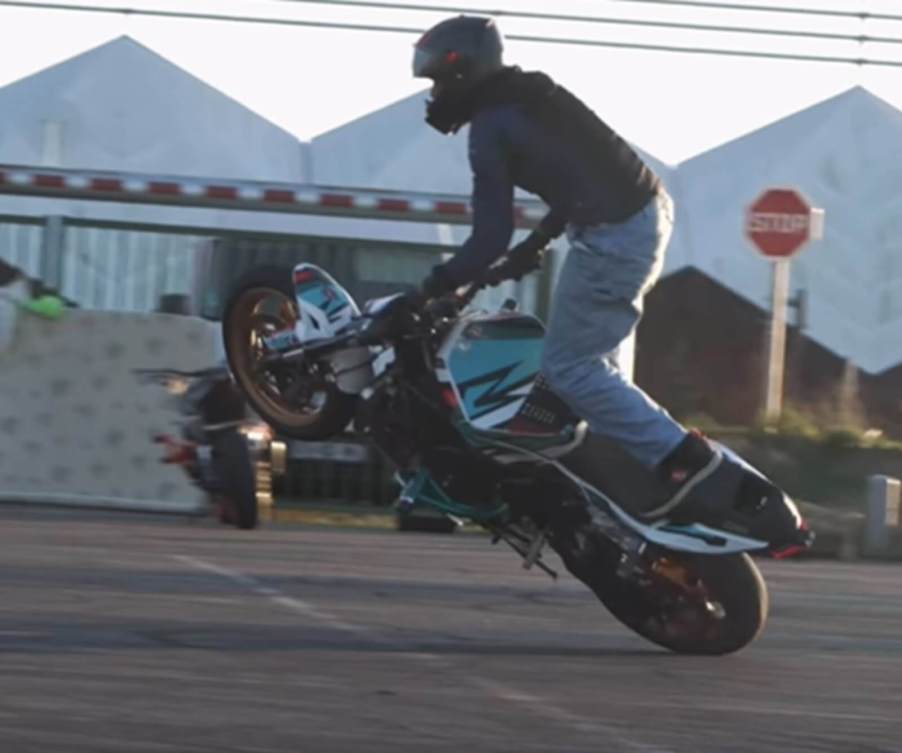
{"x": 780, "y": 221}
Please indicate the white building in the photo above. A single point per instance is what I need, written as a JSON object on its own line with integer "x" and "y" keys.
{"x": 842, "y": 154}
{"x": 124, "y": 108}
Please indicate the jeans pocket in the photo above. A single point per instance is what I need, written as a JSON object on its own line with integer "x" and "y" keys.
{"x": 622, "y": 262}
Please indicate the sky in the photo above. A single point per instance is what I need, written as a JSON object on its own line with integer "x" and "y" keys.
{"x": 311, "y": 80}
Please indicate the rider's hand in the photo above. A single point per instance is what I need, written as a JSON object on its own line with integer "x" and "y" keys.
{"x": 416, "y": 299}
{"x": 435, "y": 289}
{"x": 445, "y": 307}
{"x": 437, "y": 283}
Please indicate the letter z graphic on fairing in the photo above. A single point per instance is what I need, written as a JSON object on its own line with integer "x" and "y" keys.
{"x": 498, "y": 392}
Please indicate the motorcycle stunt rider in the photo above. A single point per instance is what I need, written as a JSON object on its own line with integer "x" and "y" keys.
{"x": 526, "y": 131}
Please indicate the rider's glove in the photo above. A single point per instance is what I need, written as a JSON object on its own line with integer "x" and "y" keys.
{"x": 416, "y": 299}
{"x": 437, "y": 283}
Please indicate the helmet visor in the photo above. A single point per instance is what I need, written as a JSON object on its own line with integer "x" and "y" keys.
{"x": 424, "y": 62}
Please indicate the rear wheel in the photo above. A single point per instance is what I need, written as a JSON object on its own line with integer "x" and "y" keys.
{"x": 694, "y": 604}
{"x": 688, "y": 603}
{"x": 297, "y": 400}
{"x": 235, "y": 469}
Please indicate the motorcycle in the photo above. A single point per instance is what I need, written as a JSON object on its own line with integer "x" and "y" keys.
{"x": 453, "y": 396}
{"x": 217, "y": 442}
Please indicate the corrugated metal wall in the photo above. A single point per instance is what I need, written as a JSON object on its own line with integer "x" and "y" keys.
{"x": 20, "y": 245}
{"x": 128, "y": 270}
{"x": 109, "y": 268}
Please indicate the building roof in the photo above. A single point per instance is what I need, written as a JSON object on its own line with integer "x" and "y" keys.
{"x": 121, "y": 106}
{"x": 841, "y": 154}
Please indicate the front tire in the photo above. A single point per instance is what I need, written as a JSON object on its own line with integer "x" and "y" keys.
{"x": 297, "y": 404}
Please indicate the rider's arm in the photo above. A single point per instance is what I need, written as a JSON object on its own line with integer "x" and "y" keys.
{"x": 551, "y": 226}
{"x": 493, "y": 206}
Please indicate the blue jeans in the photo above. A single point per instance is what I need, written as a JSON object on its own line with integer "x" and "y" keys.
{"x": 597, "y": 305}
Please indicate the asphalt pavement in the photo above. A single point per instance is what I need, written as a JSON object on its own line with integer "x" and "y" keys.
{"x": 145, "y": 634}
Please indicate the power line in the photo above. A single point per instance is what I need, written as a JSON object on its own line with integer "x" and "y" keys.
{"x": 860, "y": 15}
{"x": 834, "y": 36}
{"x": 185, "y": 15}
{"x": 188, "y": 15}
{"x": 714, "y": 51}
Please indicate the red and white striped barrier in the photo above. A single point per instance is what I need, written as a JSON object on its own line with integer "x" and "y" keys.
{"x": 246, "y": 195}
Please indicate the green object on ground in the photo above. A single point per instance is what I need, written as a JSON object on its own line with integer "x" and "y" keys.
{"x": 46, "y": 306}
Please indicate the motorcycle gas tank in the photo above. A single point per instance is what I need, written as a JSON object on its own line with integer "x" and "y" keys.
{"x": 491, "y": 362}
{"x": 325, "y": 307}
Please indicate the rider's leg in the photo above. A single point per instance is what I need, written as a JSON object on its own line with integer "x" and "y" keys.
{"x": 598, "y": 303}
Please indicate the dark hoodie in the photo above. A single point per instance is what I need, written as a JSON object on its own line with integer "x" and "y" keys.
{"x": 528, "y": 132}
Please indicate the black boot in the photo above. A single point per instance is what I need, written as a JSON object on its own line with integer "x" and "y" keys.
{"x": 692, "y": 462}
{"x": 707, "y": 487}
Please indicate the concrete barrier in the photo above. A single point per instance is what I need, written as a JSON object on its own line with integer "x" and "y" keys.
{"x": 76, "y": 425}
{"x": 882, "y": 514}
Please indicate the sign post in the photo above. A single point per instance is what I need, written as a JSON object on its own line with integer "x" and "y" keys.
{"x": 779, "y": 223}
{"x": 776, "y": 351}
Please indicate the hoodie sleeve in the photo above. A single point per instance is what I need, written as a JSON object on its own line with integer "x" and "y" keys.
{"x": 493, "y": 202}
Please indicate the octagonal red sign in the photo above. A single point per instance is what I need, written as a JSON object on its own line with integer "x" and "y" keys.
{"x": 779, "y": 222}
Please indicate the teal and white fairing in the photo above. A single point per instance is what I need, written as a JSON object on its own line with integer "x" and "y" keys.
{"x": 492, "y": 363}
{"x": 325, "y": 307}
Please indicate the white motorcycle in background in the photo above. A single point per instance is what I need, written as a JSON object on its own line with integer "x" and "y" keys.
{"x": 218, "y": 442}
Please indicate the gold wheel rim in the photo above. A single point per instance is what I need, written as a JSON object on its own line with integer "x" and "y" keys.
{"x": 256, "y": 313}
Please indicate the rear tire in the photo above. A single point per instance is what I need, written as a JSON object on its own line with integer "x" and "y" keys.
{"x": 235, "y": 468}
{"x": 688, "y": 603}
{"x": 732, "y": 582}
{"x": 239, "y": 333}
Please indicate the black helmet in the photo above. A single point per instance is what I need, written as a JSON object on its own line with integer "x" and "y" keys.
{"x": 456, "y": 54}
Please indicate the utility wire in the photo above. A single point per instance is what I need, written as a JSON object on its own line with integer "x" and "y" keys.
{"x": 712, "y": 51}
{"x": 860, "y": 38}
{"x": 187, "y": 15}
{"x": 860, "y": 15}
{"x": 409, "y": 30}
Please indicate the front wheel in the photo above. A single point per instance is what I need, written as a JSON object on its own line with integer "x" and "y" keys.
{"x": 297, "y": 400}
